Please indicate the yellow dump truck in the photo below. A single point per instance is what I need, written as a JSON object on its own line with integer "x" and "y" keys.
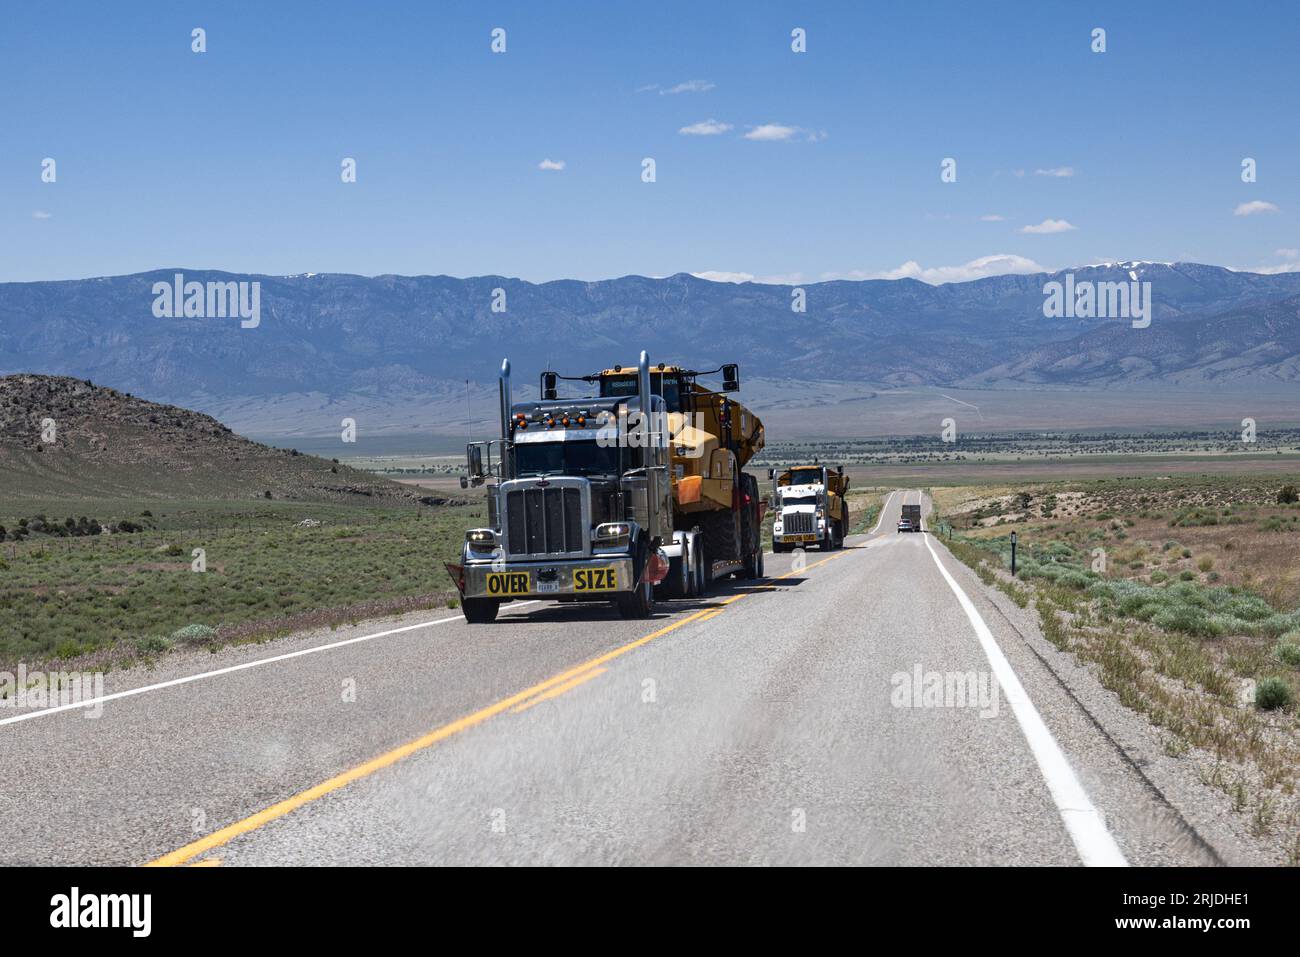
{"x": 810, "y": 506}
{"x": 717, "y": 507}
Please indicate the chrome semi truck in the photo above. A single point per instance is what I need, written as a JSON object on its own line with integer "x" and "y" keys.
{"x": 581, "y": 500}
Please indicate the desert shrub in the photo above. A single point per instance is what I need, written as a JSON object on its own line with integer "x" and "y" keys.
{"x": 193, "y": 635}
{"x": 1273, "y": 693}
{"x": 1288, "y": 652}
{"x": 152, "y": 644}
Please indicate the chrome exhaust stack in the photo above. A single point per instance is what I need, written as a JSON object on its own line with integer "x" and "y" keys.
{"x": 647, "y": 419}
{"x": 506, "y": 401}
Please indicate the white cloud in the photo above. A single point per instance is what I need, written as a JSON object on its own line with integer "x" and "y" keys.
{"x": 1000, "y": 264}
{"x": 551, "y": 164}
{"x": 992, "y": 218}
{"x": 705, "y": 128}
{"x": 41, "y": 214}
{"x": 1273, "y": 270}
{"x": 690, "y": 86}
{"x": 1253, "y": 207}
{"x": 1290, "y": 263}
{"x": 1048, "y": 226}
{"x": 771, "y": 132}
{"x": 713, "y": 275}
{"x": 1059, "y": 171}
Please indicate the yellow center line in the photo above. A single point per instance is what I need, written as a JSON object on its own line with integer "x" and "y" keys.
{"x": 281, "y": 808}
{"x": 559, "y": 689}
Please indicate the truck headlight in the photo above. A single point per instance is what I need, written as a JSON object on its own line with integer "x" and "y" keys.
{"x": 612, "y": 534}
{"x": 480, "y": 538}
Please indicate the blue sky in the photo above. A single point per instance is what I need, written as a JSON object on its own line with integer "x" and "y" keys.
{"x": 230, "y": 159}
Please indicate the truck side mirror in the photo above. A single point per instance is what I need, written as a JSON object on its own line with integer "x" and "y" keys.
{"x": 550, "y": 385}
{"x": 731, "y": 377}
{"x": 476, "y": 462}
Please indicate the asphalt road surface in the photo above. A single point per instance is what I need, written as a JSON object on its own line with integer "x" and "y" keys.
{"x": 864, "y": 706}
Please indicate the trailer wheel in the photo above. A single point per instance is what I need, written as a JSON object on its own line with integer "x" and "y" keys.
{"x": 754, "y": 562}
{"x": 699, "y": 576}
{"x": 721, "y": 535}
{"x": 480, "y": 611}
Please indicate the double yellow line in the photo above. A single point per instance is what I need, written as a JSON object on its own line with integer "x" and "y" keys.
{"x": 550, "y": 688}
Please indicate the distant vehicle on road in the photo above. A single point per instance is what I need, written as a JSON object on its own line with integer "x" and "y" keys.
{"x": 911, "y": 519}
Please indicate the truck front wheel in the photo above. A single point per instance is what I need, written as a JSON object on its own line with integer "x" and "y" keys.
{"x": 480, "y": 611}
{"x": 640, "y": 601}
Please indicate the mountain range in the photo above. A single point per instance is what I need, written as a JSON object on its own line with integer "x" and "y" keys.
{"x": 401, "y": 349}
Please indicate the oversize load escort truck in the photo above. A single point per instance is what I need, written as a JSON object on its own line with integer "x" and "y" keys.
{"x": 629, "y": 495}
{"x": 810, "y": 507}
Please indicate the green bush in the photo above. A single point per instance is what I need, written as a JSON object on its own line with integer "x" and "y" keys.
{"x": 1288, "y": 653}
{"x": 152, "y": 644}
{"x": 1273, "y": 693}
{"x": 193, "y": 635}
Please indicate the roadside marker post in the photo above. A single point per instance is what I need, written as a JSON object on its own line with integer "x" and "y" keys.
{"x": 1013, "y": 554}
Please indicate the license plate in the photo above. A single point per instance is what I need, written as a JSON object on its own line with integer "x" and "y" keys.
{"x": 544, "y": 587}
{"x": 500, "y": 584}
{"x": 800, "y": 538}
{"x": 595, "y": 579}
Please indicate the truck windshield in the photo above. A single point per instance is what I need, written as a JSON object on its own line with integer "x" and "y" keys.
{"x": 666, "y": 386}
{"x": 533, "y": 459}
{"x": 799, "y": 500}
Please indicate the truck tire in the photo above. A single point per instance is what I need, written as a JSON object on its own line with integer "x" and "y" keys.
{"x": 680, "y": 574}
{"x": 700, "y": 583}
{"x": 637, "y": 604}
{"x": 721, "y": 535}
{"x": 480, "y": 611}
{"x": 640, "y": 602}
{"x": 848, "y": 523}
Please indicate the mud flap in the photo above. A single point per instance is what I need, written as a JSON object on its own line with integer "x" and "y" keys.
{"x": 457, "y": 573}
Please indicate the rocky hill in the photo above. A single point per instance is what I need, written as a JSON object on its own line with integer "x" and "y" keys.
{"x": 63, "y": 437}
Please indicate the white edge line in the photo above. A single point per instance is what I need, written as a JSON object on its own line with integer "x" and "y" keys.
{"x": 883, "y": 505}
{"x": 1087, "y": 829}
{"x": 92, "y": 702}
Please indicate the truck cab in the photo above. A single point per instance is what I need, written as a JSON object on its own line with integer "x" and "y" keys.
{"x": 810, "y": 507}
{"x": 578, "y": 504}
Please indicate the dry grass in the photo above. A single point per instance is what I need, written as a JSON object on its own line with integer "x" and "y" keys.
{"x": 1178, "y": 593}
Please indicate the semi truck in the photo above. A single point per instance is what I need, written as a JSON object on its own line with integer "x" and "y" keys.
{"x": 631, "y": 494}
{"x": 910, "y": 520}
{"x": 810, "y": 506}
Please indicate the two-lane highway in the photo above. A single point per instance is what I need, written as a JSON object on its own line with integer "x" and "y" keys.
{"x": 861, "y": 706}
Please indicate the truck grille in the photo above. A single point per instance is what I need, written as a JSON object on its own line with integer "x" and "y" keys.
{"x": 797, "y": 523}
{"x": 544, "y": 521}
